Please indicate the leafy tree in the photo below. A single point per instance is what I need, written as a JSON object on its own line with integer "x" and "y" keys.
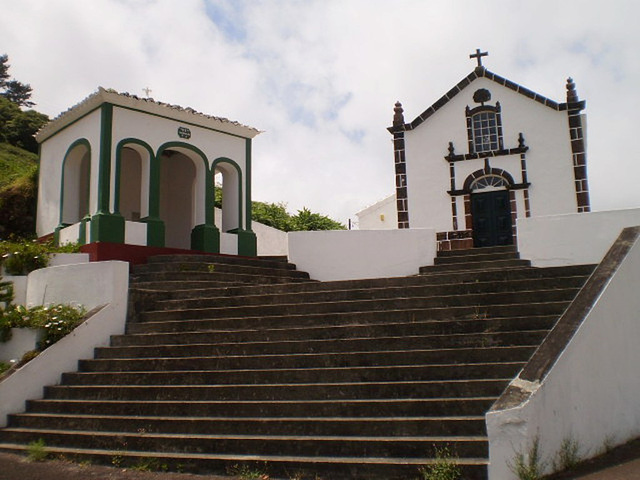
{"x": 14, "y": 91}
{"x": 307, "y": 220}
{"x": 272, "y": 214}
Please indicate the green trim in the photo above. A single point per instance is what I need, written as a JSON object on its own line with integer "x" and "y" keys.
{"x": 104, "y": 165}
{"x": 107, "y": 227}
{"x": 183, "y": 122}
{"x": 205, "y": 238}
{"x": 247, "y": 182}
{"x": 215, "y": 163}
{"x": 154, "y": 181}
{"x": 247, "y": 243}
{"x": 122, "y": 144}
{"x": 155, "y": 231}
{"x": 81, "y": 141}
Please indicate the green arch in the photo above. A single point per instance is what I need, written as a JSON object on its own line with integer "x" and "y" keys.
{"x": 154, "y": 181}
{"x": 81, "y": 141}
{"x": 122, "y": 144}
{"x": 215, "y": 163}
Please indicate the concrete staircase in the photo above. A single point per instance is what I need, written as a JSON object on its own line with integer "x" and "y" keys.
{"x": 237, "y": 361}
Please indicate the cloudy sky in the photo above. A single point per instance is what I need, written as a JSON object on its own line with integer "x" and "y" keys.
{"x": 320, "y": 77}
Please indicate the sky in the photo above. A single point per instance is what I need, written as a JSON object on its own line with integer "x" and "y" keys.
{"x": 320, "y": 77}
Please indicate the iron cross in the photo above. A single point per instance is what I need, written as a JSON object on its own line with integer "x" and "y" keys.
{"x": 478, "y": 55}
{"x": 147, "y": 91}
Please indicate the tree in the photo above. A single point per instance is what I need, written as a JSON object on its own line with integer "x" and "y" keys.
{"x": 17, "y": 127}
{"x": 14, "y": 91}
{"x": 307, "y": 220}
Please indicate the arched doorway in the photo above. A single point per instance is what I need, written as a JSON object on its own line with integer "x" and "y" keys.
{"x": 76, "y": 174}
{"x": 491, "y": 211}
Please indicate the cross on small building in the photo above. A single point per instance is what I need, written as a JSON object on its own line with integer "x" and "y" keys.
{"x": 147, "y": 91}
{"x": 478, "y": 55}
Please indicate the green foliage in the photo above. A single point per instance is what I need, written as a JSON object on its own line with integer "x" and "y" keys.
{"x": 569, "y": 455}
{"x": 20, "y": 257}
{"x": 13, "y": 90}
{"x": 15, "y": 162}
{"x": 445, "y": 467}
{"x": 56, "y": 321}
{"x": 18, "y": 206}
{"x": 275, "y": 215}
{"x": 246, "y": 472}
{"x": 529, "y": 465}
{"x": 37, "y": 451}
{"x": 4, "y": 366}
{"x": 6, "y": 294}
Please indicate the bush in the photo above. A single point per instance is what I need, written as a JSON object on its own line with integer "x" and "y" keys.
{"x": 21, "y": 257}
{"x": 56, "y": 321}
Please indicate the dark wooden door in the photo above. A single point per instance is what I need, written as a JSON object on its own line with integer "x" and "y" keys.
{"x": 491, "y": 213}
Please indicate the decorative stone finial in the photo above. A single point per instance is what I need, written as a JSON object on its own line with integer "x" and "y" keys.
{"x": 572, "y": 94}
{"x": 398, "y": 115}
{"x": 521, "y": 140}
{"x": 452, "y": 150}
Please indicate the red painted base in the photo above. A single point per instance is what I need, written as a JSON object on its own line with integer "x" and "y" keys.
{"x": 134, "y": 254}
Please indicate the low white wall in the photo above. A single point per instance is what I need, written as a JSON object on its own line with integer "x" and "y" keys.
{"x": 90, "y": 284}
{"x": 19, "y": 288}
{"x": 135, "y": 233}
{"x": 70, "y": 234}
{"x": 58, "y": 259}
{"x": 353, "y": 254}
{"x": 572, "y": 239}
{"x": 228, "y": 243}
{"x": 591, "y": 393}
{"x": 271, "y": 241}
{"x": 22, "y": 341}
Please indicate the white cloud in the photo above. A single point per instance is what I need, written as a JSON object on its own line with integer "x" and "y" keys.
{"x": 321, "y": 76}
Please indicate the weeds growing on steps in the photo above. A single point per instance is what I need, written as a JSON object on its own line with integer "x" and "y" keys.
{"x": 444, "y": 467}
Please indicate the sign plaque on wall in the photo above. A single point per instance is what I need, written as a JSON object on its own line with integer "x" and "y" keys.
{"x": 184, "y": 132}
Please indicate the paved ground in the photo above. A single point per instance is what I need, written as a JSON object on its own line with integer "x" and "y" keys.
{"x": 622, "y": 463}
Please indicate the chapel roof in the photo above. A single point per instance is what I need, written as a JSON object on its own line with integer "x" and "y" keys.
{"x": 482, "y": 72}
{"x": 146, "y": 105}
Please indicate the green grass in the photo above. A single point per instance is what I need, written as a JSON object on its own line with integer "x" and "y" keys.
{"x": 15, "y": 163}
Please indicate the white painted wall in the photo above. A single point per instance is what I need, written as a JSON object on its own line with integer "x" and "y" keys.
{"x": 591, "y": 393}
{"x": 19, "y": 287}
{"x": 91, "y": 284}
{"x": 52, "y": 152}
{"x": 22, "y": 341}
{"x": 573, "y": 239}
{"x": 228, "y": 243}
{"x": 135, "y": 233}
{"x": 549, "y": 161}
{"x": 353, "y": 254}
{"x": 381, "y": 215}
{"x": 271, "y": 241}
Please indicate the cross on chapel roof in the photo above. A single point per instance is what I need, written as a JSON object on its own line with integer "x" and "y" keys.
{"x": 478, "y": 55}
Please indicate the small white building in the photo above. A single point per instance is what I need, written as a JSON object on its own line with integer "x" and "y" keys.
{"x": 488, "y": 152}
{"x": 381, "y": 215}
{"x": 118, "y": 169}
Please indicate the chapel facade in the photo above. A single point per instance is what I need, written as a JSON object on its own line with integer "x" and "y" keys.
{"x": 125, "y": 170}
{"x": 485, "y": 154}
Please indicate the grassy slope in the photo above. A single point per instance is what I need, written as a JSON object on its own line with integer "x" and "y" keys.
{"x": 15, "y": 163}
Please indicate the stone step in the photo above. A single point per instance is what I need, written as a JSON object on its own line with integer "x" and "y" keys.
{"x": 212, "y": 268}
{"x": 325, "y": 346}
{"x": 297, "y": 375}
{"x": 336, "y": 331}
{"x": 207, "y": 299}
{"x": 156, "y": 277}
{"x": 475, "y": 257}
{"x": 190, "y": 320}
{"x": 313, "y": 360}
{"x": 282, "y": 391}
{"x": 270, "y": 408}
{"x": 480, "y": 265}
{"x": 314, "y": 466}
{"x": 350, "y": 446}
{"x": 202, "y": 308}
{"x": 326, "y": 426}
{"x": 478, "y": 251}
{"x": 260, "y": 262}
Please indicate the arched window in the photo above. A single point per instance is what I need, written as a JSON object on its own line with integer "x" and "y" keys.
{"x": 489, "y": 182}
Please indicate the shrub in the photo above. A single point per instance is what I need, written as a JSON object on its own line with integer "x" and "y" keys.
{"x": 445, "y": 467}
{"x": 21, "y": 257}
{"x": 56, "y": 321}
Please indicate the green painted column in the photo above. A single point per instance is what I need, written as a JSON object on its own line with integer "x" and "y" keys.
{"x": 247, "y": 240}
{"x": 106, "y": 226}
